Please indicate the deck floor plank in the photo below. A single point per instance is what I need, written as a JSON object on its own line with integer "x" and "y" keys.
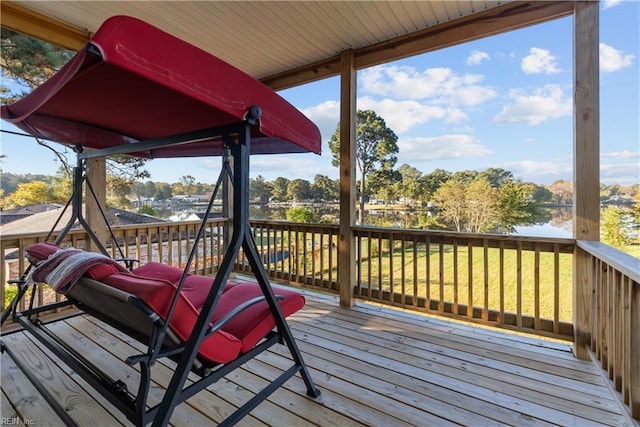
{"x": 446, "y": 356}
{"x": 390, "y": 348}
{"x": 203, "y": 408}
{"x": 76, "y": 400}
{"x": 374, "y": 366}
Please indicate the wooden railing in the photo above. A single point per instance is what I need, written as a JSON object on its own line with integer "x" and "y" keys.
{"x": 168, "y": 243}
{"x": 305, "y": 254}
{"x": 615, "y": 317}
{"x": 519, "y": 283}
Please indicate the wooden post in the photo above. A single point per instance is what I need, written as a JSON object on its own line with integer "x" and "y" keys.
{"x": 346, "y": 253}
{"x": 586, "y": 158}
{"x": 97, "y": 175}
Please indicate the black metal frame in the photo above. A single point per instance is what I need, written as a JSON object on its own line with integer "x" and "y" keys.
{"x": 237, "y": 140}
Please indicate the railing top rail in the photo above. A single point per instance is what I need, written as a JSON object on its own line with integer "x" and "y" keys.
{"x": 40, "y": 234}
{"x": 624, "y": 263}
{"x": 492, "y": 240}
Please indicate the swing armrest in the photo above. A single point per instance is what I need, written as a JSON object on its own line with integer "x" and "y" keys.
{"x": 235, "y": 312}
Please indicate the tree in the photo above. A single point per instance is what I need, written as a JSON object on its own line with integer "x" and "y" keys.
{"x": 516, "y": 205}
{"x": 28, "y": 62}
{"x": 150, "y": 189}
{"x": 541, "y": 194}
{"x": 163, "y": 191}
{"x": 376, "y": 148}
{"x": 411, "y": 184}
{"x": 299, "y": 189}
{"x": 147, "y": 210}
{"x": 384, "y": 184}
{"x": 496, "y": 176}
{"x": 434, "y": 180}
{"x": 188, "y": 184}
{"x": 325, "y": 188}
{"x": 450, "y": 200}
{"x": 28, "y": 193}
{"x": 481, "y": 205}
{"x": 614, "y": 228}
{"x": 300, "y": 214}
{"x": 562, "y": 191}
{"x": 280, "y": 186}
{"x": 259, "y": 189}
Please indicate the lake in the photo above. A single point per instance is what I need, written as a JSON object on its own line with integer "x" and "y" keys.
{"x": 558, "y": 222}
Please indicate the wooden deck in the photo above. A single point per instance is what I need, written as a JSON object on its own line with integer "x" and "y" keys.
{"x": 375, "y": 366}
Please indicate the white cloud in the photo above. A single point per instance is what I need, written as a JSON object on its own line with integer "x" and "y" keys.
{"x": 476, "y": 57}
{"x": 621, "y": 155}
{"x": 539, "y": 61}
{"x": 612, "y": 59}
{"x": 412, "y": 150}
{"x": 607, "y": 4}
{"x": 304, "y": 166}
{"x": 540, "y": 171}
{"x": 326, "y": 116}
{"x": 548, "y": 102}
{"x": 441, "y": 86}
{"x": 401, "y": 116}
{"x": 620, "y": 173}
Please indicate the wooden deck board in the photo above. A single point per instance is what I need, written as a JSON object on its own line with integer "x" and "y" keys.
{"x": 374, "y": 366}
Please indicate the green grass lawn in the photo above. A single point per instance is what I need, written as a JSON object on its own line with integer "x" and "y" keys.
{"x": 489, "y": 281}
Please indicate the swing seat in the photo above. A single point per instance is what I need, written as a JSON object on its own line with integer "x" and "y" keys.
{"x": 115, "y": 296}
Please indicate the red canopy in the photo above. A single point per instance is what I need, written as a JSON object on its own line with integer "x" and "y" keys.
{"x": 135, "y": 82}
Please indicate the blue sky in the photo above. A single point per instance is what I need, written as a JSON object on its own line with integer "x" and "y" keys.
{"x": 502, "y": 102}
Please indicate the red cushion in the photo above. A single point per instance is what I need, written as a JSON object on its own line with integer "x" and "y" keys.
{"x": 256, "y": 321}
{"x": 221, "y": 347}
{"x": 195, "y": 288}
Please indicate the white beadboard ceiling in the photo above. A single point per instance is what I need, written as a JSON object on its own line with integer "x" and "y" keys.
{"x": 264, "y": 38}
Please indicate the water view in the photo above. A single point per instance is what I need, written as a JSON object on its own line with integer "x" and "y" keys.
{"x": 554, "y": 222}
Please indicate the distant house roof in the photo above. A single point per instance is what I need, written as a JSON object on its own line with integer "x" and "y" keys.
{"x": 44, "y": 221}
{"x": 10, "y": 215}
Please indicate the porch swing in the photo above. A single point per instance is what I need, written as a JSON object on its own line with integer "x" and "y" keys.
{"x": 138, "y": 90}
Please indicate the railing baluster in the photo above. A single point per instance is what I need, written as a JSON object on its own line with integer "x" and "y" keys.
{"x": 427, "y": 251}
{"x": 485, "y": 268}
{"x": 456, "y": 283}
{"x": 441, "y": 278}
{"x": 519, "y": 285}
{"x": 536, "y": 288}
{"x": 414, "y": 299}
{"x": 403, "y": 276}
{"x": 502, "y": 284}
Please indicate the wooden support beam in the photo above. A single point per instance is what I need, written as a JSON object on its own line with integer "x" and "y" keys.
{"x": 507, "y": 17}
{"x": 24, "y": 20}
{"x": 346, "y": 251}
{"x": 586, "y": 167}
{"x": 97, "y": 175}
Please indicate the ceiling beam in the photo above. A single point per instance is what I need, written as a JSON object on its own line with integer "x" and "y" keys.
{"x": 21, "y": 19}
{"x": 510, "y": 16}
